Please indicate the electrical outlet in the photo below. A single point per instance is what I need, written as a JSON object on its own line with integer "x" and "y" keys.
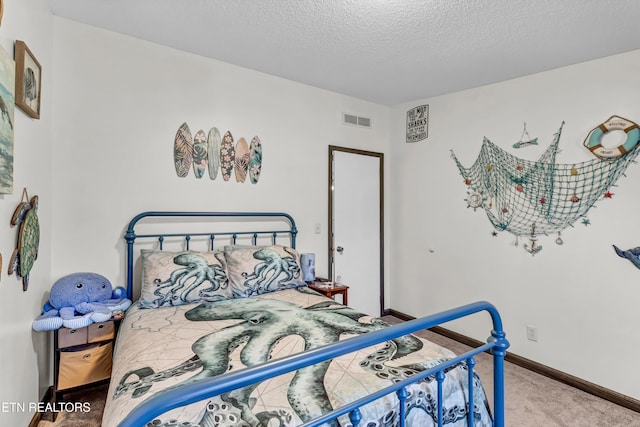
{"x": 317, "y": 228}
{"x": 532, "y": 333}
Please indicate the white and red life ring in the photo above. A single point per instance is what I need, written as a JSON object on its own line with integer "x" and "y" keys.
{"x": 592, "y": 142}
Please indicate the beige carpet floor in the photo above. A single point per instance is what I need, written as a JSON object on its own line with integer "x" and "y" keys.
{"x": 532, "y": 400}
{"x": 95, "y": 396}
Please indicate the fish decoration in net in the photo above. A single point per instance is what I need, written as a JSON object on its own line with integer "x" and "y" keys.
{"x": 532, "y": 198}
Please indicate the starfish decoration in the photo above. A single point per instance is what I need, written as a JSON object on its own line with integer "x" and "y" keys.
{"x": 586, "y": 221}
{"x": 494, "y": 233}
{"x": 608, "y": 195}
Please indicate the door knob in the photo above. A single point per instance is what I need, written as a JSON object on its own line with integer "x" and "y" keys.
{"x": 340, "y": 249}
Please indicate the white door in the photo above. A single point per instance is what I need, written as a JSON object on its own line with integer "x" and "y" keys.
{"x": 357, "y": 228}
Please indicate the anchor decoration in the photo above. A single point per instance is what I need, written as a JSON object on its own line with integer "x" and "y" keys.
{"x": 534, "y": 249}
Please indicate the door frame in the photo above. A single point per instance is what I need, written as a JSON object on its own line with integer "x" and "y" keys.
{"x": 330, "y": 233}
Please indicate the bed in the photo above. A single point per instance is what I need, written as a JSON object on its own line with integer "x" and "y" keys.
{"x": 228, "y": 334}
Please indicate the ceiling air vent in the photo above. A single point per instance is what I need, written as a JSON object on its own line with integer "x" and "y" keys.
{"x": 350, "y": 119}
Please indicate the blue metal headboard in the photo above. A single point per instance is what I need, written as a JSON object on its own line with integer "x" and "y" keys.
{"x": 131, "y": 236}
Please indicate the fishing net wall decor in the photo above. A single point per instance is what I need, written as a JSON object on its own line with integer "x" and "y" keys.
{"x": 542, "y": 197}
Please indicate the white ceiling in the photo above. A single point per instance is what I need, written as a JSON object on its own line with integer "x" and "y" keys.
{"x": 385, "y": 51}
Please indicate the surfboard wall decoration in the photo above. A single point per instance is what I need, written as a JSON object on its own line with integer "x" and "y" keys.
{"x": 213, "y": 148}
{"x": 183, "y": 151}
{"x": 242, "y": 160}
{"x": 200, "y": 154}
{"x": 209, "y": 152}
{"x": 227, "y": 156}
{"x": 255, "y": 159}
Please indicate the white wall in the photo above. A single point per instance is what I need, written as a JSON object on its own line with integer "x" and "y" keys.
{"x": 581, "y": 296}
{"x": 119, "y": 103}
{"x": 24, "y": 354}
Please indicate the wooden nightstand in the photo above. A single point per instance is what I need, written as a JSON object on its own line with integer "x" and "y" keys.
{"x": 331, "y": 290}
{"x": 82, "y": 356}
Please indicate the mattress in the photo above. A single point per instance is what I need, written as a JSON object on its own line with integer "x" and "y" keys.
{"x": 161, "y": 348}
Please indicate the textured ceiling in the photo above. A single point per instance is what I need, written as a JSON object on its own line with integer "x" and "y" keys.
{"x": 385, "y": 51}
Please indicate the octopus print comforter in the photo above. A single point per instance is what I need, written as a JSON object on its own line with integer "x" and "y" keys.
{"x": 165, "y": 347}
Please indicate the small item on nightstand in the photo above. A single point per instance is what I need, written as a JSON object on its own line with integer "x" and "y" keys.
{"x": 323, "y": 284}
{"x": 308, "y": 262}
{"x": 118, "y": 314}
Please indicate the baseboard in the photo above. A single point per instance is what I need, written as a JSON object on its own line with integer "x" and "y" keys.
{"x": 37, "y": 416}
{"x": 539, "y": 368}
{"x": 398, "y": 314}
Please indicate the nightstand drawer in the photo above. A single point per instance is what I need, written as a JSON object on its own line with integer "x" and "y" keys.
{"x": 84, "y": 366}
{"x": 70, "y": 337}
{"x": 101, "y": 331}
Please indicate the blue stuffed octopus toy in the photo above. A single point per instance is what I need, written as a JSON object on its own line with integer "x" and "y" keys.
{"x": 79, "y": 299}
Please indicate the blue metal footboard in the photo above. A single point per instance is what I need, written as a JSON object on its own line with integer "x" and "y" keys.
{"x": 497, "y": 344}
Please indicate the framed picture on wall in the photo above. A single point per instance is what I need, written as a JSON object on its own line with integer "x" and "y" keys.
{"x": 7, "y": 88}
{"x": 28, "y": 78}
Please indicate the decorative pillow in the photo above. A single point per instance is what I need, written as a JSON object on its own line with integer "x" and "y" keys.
{"x": 262, "y": 269}
{"x": 176, "y": 278}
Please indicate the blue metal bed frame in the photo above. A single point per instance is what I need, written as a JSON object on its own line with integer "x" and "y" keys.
{"x": 156, "y": 405}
